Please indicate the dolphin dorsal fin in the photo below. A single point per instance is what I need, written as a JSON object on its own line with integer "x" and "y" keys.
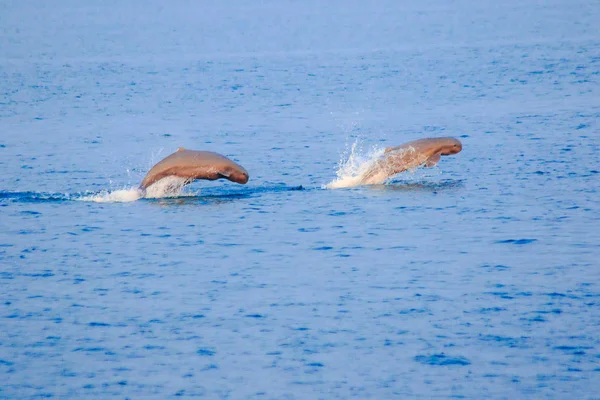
{"x": 180, "y": 148}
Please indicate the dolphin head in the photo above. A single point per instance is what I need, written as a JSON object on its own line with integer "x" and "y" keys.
{"x": 236, "y": 174}
{"x": 451, "y": 146}
{"x": 239, "y": 177}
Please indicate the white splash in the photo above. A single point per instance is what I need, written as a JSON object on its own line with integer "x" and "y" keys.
{"x": 353, "y": 165}
{"x": 171, "y": 186}
{"x": 115, "y": 196}
{"x": 356, "y": 167}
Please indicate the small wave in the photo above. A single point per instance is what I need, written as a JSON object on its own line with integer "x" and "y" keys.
{"x": 33, "y": 196}
{"x": 419, "y": 185}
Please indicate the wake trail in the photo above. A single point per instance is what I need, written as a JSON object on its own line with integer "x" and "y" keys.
{"x": 164, "y": 189}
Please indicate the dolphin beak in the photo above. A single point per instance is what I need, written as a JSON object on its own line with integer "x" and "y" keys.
{"x": 241, "y": 178}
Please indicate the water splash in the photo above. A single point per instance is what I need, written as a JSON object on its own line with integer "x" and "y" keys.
{"x": 357, "y": 167}
{"x": 353, "y": 165}
{"x": 115, "y": 196}
{"x": 170, "y": 186}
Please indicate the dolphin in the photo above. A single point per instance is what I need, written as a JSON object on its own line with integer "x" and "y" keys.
{"x": 410, "y": 155}
{"x": 192, "y": 165}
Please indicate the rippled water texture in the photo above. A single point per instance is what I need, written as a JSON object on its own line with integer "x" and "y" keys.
{"x": 478, "y": 278}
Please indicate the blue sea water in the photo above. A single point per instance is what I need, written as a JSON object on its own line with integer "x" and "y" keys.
{"x": 478, "y": 278}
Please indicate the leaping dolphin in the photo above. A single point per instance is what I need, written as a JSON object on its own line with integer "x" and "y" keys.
{"x": 192, "y": 165}
{"x": 410, "y": 155}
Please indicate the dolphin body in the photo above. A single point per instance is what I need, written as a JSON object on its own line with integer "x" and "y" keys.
{"x": 192, "y": 165}
{"x": 408, "y": 156}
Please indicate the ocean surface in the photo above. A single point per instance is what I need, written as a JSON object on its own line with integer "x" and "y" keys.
{"x": 478, "y": 278}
